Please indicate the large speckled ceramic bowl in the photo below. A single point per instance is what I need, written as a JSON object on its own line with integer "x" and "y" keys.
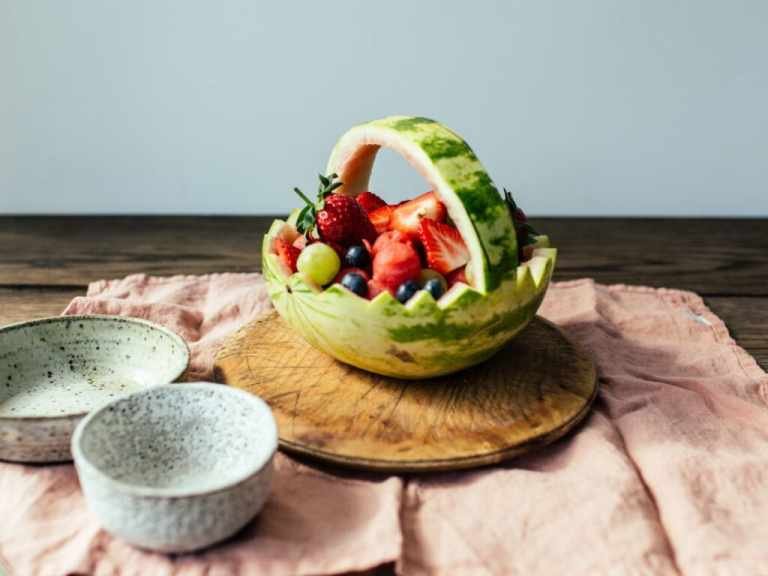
{"x": 177, "y": 468}
{"x": 54, "y": 371}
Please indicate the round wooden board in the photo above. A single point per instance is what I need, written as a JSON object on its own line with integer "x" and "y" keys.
{"x": 529, "y": 394}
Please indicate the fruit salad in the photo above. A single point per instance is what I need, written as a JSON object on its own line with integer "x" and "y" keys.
{"x": 368, "y": 246}
{"x": 423, "y": 287}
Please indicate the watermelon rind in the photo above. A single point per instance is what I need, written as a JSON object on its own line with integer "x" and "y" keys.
{"x": 453, "y": 170}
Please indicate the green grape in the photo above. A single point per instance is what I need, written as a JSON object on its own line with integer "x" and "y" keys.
{"x": 319, "y": 262}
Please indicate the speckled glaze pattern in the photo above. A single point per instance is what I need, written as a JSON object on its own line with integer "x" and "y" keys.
{"x": 177, "y": 468}
{"x": 54, "y": 371}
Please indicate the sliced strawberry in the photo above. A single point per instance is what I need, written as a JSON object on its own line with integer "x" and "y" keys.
{"x": 458, "y": 275}
{"x": 287, "y": 253}
{"x": 443, "y": 245}
{"x": 344, "y": 271}
{"x": 381, "y": 217}
{"x": 406, "y": 216}
{"x": 369, "y": 201}
{"x": 388, "y": 238}
{"x": 394, "y": 263}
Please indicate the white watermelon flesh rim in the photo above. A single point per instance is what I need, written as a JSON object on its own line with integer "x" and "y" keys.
{"x": 353, "y": 158}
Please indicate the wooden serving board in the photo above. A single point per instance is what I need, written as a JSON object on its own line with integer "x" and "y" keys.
{"x": 531, "y": 393}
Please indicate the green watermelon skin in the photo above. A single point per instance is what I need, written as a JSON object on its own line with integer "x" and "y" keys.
{"x": 422, "y": 338}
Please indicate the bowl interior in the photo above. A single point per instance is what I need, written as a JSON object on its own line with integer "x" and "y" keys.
{"x": 70, "y": 365}
{"x": 184, "y": 437}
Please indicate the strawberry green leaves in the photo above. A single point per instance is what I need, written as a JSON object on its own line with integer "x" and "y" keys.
{"x": 308, "y": 215}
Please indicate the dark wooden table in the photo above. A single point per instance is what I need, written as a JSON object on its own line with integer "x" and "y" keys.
{"x": 46, "y": 261}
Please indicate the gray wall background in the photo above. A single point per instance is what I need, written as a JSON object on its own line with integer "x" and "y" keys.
{"x": 588, "y": 107}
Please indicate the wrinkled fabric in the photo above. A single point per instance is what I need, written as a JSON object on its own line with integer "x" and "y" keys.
{"x": 313, "y": 522}
{"x": 669, "y": 474}
{"x": 204, "y": 310}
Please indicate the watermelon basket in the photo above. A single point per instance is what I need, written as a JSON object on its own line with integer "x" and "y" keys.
{"x": 424, "y": 337}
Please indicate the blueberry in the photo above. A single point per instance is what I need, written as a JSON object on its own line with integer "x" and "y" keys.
{"x": 435, "y": 287}
{"x": 354, "y": 282}
{"x": 357, "y": 257}
{"x": 406, "y": 290}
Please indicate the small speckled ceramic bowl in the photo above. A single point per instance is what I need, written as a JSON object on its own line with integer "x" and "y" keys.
{"x": 54, "y": 371}
{"x": 177, "y": 468}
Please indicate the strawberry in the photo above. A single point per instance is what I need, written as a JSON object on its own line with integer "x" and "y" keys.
{"x": 369, "y": 201}
{"x": 458, "y": 275}
{"x": 338, "y": 218}
{"x": 342, "y": 220}
{"x": 388, "y": 238}
{"x": 344, "y": 271}
{"x": 381, "y": 217}
{"x": 443, "y": 245}
{"x": 406, "y": 216}
{"x": 287, "y": 253}
{"x": 526, "y": 252}
{"x": 394, "y": 263}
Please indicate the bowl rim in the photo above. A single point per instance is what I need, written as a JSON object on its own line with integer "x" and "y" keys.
{"x": 267, "y": 423}
{"x": 178, "y": 340}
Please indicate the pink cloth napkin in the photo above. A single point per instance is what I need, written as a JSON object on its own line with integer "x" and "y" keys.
{"x": 669, "y": 475}
{"x": 313, "y": 522}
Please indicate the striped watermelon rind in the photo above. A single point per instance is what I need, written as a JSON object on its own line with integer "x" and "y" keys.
{"x": 447, "y": 162}
{"x": 422, "y": 338}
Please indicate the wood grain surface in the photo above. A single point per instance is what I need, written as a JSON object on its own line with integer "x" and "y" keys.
{"x": 747, "y": 321}
{"x": 46, "y": 260}
{"x": 711, "y": 257}
{"x": 20, "y": 305}
{"x": 73, "y": 251}
{"x": 529, "y": 394}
